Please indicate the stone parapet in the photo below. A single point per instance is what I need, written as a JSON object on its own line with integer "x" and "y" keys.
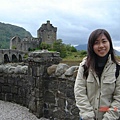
{"x": 14, "y": 88}
{"x": 37, "y": 70}
{"x": 44, "y": 85}
{"x": 59, "y": 102}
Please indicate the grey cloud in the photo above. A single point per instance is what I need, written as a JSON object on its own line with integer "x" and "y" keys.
{"x": 74, "y": 24}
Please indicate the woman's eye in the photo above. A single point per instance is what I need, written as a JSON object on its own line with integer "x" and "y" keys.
{"x": 96, "y": 42}
{"x": 104, "y": 41}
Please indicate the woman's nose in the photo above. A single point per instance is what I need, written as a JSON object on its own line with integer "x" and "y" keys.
{"x": 101, "y": 44}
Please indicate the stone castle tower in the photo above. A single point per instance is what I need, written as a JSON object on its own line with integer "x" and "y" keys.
{"x": 46, "y": 33}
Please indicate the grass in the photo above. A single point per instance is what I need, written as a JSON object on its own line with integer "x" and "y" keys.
{"x": 74, "y": 60}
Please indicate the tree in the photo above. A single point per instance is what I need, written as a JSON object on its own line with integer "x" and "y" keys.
{"x": 14, "y": 47}
{"x": 82, "y": 53}
{"x": 44, "y": 45}
{"x": 60, "y": 47}
{"x": 57, "y": 45}
{"x": 73, "y": 49}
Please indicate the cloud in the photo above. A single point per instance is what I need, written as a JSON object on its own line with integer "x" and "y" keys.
{"x": 74, "y": 19}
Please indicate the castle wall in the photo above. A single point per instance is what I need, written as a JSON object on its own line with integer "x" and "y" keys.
{"x": 15, "y": 43}
{"x": 30, "y": 43}
{"x": 46, "y": 33}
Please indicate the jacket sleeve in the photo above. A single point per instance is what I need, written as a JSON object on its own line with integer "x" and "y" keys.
{"x": 114, "y": 110}
{"x": 80, "y": 91}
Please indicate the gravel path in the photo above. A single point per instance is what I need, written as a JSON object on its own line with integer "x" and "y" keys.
{"x": 11, "y": 111}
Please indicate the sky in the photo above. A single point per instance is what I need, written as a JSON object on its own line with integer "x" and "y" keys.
{"x": 74, "y": 19}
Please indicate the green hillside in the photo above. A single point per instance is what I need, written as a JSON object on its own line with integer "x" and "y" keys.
{"x": 7, "y": 31}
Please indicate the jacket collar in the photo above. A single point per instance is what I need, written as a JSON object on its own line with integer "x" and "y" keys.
{"x": 109, "y": 61}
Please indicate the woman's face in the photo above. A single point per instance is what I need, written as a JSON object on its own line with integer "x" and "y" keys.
{"x": 101, "y": 46}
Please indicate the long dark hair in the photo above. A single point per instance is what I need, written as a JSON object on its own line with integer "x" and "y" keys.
{"x": 91, "y": 56}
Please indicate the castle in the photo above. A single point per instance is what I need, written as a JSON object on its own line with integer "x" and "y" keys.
{"x": 46, "y": 33}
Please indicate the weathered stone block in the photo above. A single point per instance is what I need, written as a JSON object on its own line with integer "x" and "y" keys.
{"x": 61, "y": 103}
{"x": 14, "y": 89}
{"x": 39, "y": 83}
{"x": 2, "y": 96}
{"x": 6, "y": 89}
{"x": 70, "y": 92}
{"x": 20, "y": 83}
{"x": 2, "y": 80}
{"x": 40, "y": 105}
{"x": 51, "y": 83}
{"x": 8, "y": 97}
{"x": 49, "y": 97}
{"x": 21, "y": 92}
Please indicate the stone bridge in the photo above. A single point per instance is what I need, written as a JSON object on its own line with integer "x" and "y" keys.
{"x": 8, "y": 55}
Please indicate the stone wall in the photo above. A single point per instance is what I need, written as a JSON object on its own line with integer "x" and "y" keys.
{"x": 45, "y": 86}
{"x": 59, "y": 102}
{"x": 14, "y": 85}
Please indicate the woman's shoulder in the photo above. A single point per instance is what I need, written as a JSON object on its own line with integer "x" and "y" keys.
{"x": 83, "y": 61}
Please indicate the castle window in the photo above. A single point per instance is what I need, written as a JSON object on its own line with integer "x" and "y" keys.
{"x": 48, "y": 36}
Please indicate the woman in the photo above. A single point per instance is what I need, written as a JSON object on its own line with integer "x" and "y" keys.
{"x": 97, "y": 91}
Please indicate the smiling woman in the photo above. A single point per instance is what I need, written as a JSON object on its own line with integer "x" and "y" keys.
{"x": 97, "y": 90}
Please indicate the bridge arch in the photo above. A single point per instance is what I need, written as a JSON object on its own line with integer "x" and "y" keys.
{"x": 20, "y": 58}
{"x": 6, "y": 59}
{"x": 14, "y": 58}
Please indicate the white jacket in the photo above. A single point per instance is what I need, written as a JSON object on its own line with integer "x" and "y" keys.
{"x": 95, "y": 99}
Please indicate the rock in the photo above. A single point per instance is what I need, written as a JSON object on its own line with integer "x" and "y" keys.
{"x": 6, "y": 68}
{"x": 11, "y": 70}
{"x": 18, "y": 69}
{"x": 1, "y": 68}
{"x": 61, "y": 68}
{"x": 24, "y": 69}
{"x": 21, "y": 69}
{"x": 51, "y": 69}
{"x": 70, "y": 71}
{"x": 44, "y": 118}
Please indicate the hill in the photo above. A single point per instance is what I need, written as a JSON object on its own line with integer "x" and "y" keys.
{"x": 84, "y": 47}
{"x": 7, "y": 31}
{"x": 81, "y": 47}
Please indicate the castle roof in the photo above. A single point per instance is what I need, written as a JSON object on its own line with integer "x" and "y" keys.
{"x": 47, "y": 26}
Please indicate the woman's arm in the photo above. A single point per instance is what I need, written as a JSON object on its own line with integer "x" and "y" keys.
{"x": 114, "y": 110}
{"x": 80, "y": 91}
